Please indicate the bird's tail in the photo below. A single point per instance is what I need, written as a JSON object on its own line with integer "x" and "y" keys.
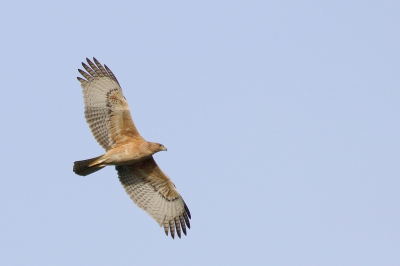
{"x": 86, "y": 167}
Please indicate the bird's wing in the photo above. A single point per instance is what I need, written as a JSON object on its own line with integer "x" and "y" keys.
{"x": 154, "y": 192}
{"x": 106, "y": 109}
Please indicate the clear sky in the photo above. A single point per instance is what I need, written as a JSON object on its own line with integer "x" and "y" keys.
{"x": 281, "y": 120}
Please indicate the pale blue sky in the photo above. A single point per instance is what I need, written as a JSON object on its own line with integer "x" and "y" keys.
{"x": 281, "y": 120}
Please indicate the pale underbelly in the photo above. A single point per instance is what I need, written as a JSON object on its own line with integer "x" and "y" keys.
{"x": 123, "y": 158}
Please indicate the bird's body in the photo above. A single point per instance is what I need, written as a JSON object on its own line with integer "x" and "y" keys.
{"x": 108, "y": 115}
{"x": 130, "y": 153}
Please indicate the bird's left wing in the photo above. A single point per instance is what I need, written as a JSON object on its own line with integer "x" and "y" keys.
{"x": 154, "y": 192}
{"x": 106, "y": 109}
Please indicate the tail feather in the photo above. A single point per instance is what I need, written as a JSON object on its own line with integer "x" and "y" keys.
{"x": 83, "y": 168}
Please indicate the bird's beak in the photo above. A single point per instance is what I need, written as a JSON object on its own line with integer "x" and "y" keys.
{"x": 164, "y": 149}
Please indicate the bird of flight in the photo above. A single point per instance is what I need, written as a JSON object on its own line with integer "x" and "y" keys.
{"x": 107, "y": 113}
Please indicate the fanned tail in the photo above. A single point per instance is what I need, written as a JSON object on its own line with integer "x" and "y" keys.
{"x": 85, "y": 167}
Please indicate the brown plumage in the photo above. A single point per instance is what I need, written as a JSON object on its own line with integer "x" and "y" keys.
{"x": 109, "y": 118}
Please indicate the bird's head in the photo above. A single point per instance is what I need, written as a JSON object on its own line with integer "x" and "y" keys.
{"x": 156, "y": 147}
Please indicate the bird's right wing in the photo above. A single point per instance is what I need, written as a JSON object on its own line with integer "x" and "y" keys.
{"x": 106, "y": 109}
{"x": 154, "y": 192}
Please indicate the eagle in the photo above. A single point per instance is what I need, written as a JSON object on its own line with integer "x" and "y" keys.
{"x": 109, "y": 118}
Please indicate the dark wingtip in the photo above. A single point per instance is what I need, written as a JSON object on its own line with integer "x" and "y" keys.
{"x": 183, "y": 224}
{"x": 187, "y": 211}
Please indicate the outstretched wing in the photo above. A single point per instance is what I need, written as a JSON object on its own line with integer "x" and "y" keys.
{"x": 106, "y": 109}
{"x": 154, "y": 192}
